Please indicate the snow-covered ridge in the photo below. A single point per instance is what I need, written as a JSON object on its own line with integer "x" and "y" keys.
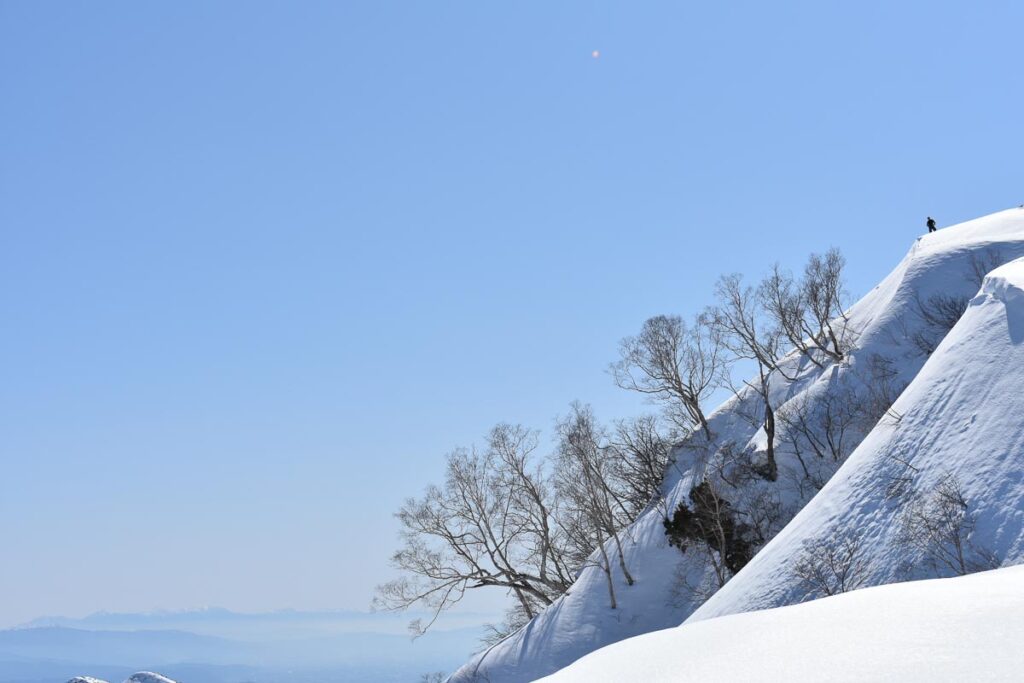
{"x": 140, "y": 677}
{"x": 884, "y": 322}
{"x": 148, "y": 677}
{"x": 963, "y": 629}
{"x": 960, "y": 420}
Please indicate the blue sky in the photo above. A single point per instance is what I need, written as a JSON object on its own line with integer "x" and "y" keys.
{"x": 263, "y": 264}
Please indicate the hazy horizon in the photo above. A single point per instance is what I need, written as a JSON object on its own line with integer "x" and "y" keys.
{"x": 264, "y": 265}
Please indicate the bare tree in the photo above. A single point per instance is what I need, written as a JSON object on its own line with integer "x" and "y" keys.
{"x": 709, "y": 523}
{"x": 490, "y": 525}
{"x": 676, "y": 365}
{"x": 881, "y": 378}
{"x": 532, "y": 504}
{"x": 739, "y": 322}
{"x": 639, "y": 455}
{"x": 595, "y": 509}
{"x": 821, "y": 431}
{"x": 939, "y": 526}
{"x": 823, "y": 294}
{"x": 982, "y": 263}
{"x": 809, "y": 312}
{"x": 938, "y": 314}
{"x": 514, "y": 619}
{"x": 830, "y": 567}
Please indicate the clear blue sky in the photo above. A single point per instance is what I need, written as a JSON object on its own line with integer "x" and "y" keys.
{"x": 263, "y": 264}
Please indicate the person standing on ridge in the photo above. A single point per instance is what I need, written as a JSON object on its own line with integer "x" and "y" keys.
{"x": 931, "y": 224}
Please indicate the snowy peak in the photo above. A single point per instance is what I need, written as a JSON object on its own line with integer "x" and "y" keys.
{"x": 148, "y": 677}
{"x": 140, "y": 677}
{"x": 937, "y": 489}
{"x": 955, "y": 428}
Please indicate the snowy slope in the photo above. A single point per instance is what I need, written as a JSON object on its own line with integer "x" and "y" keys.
{"x": 140, "y": 677}
{"x": 962, "y": 417}
{"x": 148, "y": 677}
{"x": 963, "y": 629}
{"x": 884, "y": 322}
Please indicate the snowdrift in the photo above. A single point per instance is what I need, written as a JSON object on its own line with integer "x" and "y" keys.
{"x": 960, "y": 420}
{"x": 978, "y": 444}
{"x": 963, "y": 629}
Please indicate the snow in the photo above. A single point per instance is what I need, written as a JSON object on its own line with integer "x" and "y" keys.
{"x": 148, "y": 677}
{"x": 960, "y": 417}
{"x": 963, "y": 629}
{"x": 140, "y": 677}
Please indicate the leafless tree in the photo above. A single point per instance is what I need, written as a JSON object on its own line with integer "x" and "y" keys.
{"x": 881, "y": 378}
{"x": 809, "y": 312}
{"x": 939, "y": 525}
{"x": 938, "y": 314}
{"x": 433, "y": 677}
{"x": 832, "y": 566}
{"x": 710, "y": 524}
{"x": 739, "y": 322}
{"x": 514, "y": 619}
{"x": 594, "y": 511}
{"x": 823, "y": 294}
{"x": 820, "y": 431}
{"x": 695, "y": 580}
{"x": 982, "y": 263}
{"x": 490, "y": 525}
{"x": 639, "y": 454}
{"x": 532, "y": 504}
{"x": 674, "y": 364}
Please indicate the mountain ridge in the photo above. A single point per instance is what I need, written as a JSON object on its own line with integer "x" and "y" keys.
{"x": 888, "y": 325}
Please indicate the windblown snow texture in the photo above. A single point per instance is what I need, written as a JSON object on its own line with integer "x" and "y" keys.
{"x": 963, "y": 629}
{"x": 976, "y": 365}
{"x": 962, "y": 417}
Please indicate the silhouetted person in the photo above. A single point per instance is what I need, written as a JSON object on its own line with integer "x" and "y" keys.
{"x": 931, "y": 224}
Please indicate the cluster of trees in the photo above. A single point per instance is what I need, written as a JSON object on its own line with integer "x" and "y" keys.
{"x": 935, "y": 529}
{"x": 680, "y": 365}
{"x": 781, "y": 326}
{"x": 527, "y": 520}
{"x": 510, "y": 517}
{"x": 938, "y": 525}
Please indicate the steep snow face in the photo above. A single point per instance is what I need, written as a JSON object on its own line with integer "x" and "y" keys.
{"x": 670, "y": 586}
{"x": 963, "y": 629}
{"x": 956, "y": 432}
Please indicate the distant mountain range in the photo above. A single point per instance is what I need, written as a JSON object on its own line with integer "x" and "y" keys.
{"x": 220, "y": 646}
